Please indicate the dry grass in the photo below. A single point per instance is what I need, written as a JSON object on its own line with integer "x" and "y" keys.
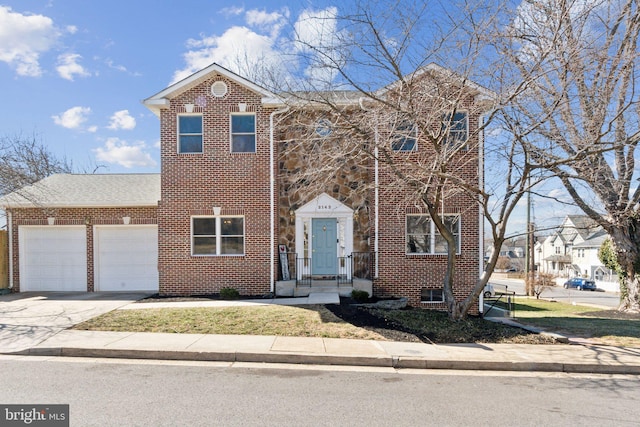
{"x": 609, "y": 327}
{"x": 310, "y": 321}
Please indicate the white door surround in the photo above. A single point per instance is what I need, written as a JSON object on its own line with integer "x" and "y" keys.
{"x": 323, "y": 206}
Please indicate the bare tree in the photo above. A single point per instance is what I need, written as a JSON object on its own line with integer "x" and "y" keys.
{"x": 397, "y": 100}
{"x": 25, "y": 160}
{"x": 579, "y": 115}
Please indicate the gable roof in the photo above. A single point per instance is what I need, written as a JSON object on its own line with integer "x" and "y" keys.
{"x": 484, "y": 95}
{"x": 161, "y": 99}
{"x": 92, "y": 190}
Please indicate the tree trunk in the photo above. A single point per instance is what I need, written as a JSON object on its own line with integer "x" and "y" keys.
{"x": 628, "y": 253}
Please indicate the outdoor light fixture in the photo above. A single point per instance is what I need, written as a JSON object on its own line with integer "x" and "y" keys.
{"x": 292, "y": 215}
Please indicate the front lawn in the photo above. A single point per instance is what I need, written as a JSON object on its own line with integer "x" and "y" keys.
{"x": 601, "y": 326}
{"x": 331, "y": 321}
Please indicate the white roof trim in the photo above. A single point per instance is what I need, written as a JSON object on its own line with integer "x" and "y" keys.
{"x": 161, "y": 99}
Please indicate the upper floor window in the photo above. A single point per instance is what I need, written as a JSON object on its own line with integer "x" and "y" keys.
{"x": 423, "y": 237}
{"x": 243, "y": 133}
{"x": 404, "y": 136}
{"x": 456, "y": 128}
{"x": 219, "y": 235}
{"x": 190, "y": 133}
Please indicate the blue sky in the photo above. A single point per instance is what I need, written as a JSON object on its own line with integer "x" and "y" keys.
{"x": 74, "y": 72}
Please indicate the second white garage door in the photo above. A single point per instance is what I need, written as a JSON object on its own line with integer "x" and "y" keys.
{"x": 126, "y": 258}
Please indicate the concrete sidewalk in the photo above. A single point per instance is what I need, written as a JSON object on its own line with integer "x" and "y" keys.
{"x": 331, "y": 351}
{"x": 57, "y": 312}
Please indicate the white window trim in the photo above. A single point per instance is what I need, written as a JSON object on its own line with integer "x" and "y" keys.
{"x": 178, "y": 134}
{"x": 218, "y": 235}
{"x": 255, "y": 132}
{"x": 432, "y": 236}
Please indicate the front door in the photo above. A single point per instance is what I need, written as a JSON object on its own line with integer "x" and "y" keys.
{"x": 324, "y": 240}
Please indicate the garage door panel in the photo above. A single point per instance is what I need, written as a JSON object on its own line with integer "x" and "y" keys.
{"x": 127, "y": 258}
{"x": 53, "y": 258}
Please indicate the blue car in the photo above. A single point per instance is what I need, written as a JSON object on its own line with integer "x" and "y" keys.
{"x": 580, "y": 284}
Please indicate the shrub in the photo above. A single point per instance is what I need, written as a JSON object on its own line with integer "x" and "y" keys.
{"x": 229, "y": 293}
{"x": 360, "y": 296}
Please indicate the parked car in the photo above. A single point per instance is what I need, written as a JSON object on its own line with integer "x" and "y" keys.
{"x": 489, "y": 291}
{"x": 580, "y": 284}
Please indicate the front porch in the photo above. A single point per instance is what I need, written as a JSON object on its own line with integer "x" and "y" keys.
{"x": 296, "y": 278}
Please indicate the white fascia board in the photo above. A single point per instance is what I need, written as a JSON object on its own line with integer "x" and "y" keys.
{"x": 155, "y": 105}
{"x": 201, "y": 75}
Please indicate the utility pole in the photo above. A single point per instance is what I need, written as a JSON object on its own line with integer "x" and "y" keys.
{"x": 529, "y": 252}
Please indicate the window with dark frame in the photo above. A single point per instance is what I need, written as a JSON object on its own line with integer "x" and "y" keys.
{"x": 243, "y": 133}
{"x": 431, "y": 295}
{"x": 405, "y": 136}
{"x": 219, "y": 235}
{"x": 456, "y": 128}
{"x": 190, "y": 134}
{"x": 423, "y": 237}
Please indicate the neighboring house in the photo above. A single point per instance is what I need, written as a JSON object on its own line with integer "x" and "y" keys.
{"x": 572, "y": 250}
{"x": 512, "y": 249}
{"x": 226, "y": 212}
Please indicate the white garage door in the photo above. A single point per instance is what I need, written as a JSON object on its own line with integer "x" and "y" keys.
{"x": 126, "y": 258}
{"x": 53, "y": 258}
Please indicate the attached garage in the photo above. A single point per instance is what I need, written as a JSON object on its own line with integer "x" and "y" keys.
{"x": 126, "y": 258}
{"x": 53, "y": 258}
{"x": 84, "y": 233}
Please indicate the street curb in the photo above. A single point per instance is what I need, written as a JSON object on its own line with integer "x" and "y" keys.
{"x": 316, "y": 359}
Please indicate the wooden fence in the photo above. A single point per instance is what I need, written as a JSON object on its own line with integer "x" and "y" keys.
{"x": 4, "y": 260}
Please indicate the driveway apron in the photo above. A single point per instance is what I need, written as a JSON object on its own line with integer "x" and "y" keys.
{"x": 27, "y": 319}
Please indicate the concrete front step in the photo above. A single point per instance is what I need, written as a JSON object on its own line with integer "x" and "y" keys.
{"x": 304, "y": 291}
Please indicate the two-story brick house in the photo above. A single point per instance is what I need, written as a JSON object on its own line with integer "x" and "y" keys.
{"x": 233, "y": 211}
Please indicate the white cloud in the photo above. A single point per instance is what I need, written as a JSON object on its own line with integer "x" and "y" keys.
{"x": 238, "y": 49}
{"x": 246, "y": 50}
{"x": 317, "y": 36}
{"x": 68, "y": 66}
{"x": 72, "y": 29}
{"x": 122, "y": 120}
{"x": 127, "y": 155}
{"x": 23, "y": 38}
{"x": 232, "y": 11}
{"x": 73, "y": 118}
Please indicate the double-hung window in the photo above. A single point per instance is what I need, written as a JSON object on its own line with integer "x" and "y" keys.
{"x": 423, "y": 236}
{"x": 220, "y": 235}
{"x": 190, "y": 133}
{"x": 243, "y": 133}
{"x": 404, "y": 136}
{"x": 456, "y": 128}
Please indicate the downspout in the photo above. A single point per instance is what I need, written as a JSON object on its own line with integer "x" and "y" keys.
{"x": 480, "y": 214}
{"x": 10, "y": 229}
{"x": 376, "y": 192}
{"x": 272, "y": 202}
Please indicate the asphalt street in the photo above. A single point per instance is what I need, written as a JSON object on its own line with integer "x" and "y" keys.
{"x": 133, "y": 393}
{"x": 558, "y": 293}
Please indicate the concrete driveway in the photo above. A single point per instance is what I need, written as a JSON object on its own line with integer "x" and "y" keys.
{"x": 27, "y": 319}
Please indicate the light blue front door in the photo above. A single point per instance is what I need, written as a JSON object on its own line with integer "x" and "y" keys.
{"x": 325, "y": 247}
